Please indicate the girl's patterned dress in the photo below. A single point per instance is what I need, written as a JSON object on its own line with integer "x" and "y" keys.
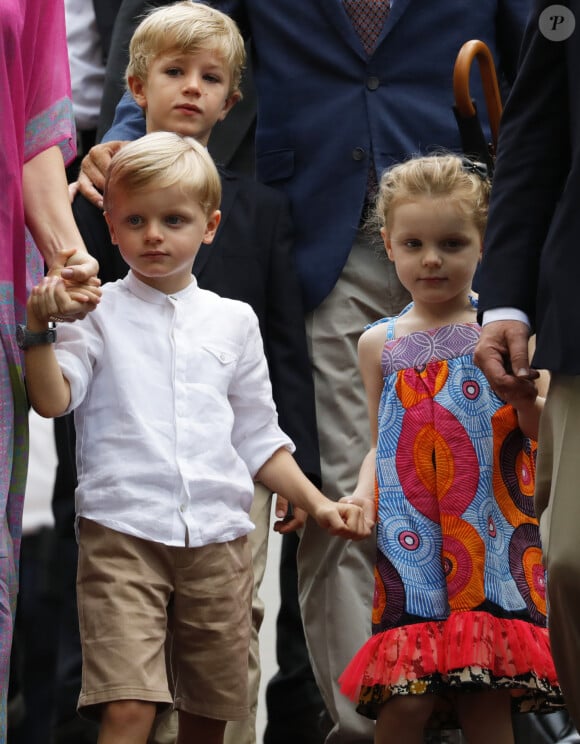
{"x": 460, "y": 599}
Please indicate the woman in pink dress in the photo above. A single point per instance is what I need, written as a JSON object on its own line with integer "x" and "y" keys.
{"x": 36, "y": 137}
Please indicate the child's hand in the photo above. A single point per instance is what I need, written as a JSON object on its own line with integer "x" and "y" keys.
{"x": 522, "y": 396}
{"x": 44, "y": 301}
{"x": 343, "y": 519}
{"x": 77, "y": 270}
{"x": 529, "y": 408}
{"x": 367, "y": 505}
{"x": 290, "y": 518}
{"x": 91, "y": 179}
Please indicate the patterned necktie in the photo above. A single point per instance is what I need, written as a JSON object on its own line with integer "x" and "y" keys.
{"x": 368, "y": 18}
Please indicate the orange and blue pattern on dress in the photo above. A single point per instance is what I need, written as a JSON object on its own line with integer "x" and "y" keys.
{"x": 460, "y": 596}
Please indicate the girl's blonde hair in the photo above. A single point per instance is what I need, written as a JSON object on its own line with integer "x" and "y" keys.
{"x": 437, "y": 176}
{"x": 187, "y": 27}
{"x": 160, "y": 160}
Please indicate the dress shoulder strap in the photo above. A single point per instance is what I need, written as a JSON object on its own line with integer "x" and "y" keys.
{"x": 390, "y": 323}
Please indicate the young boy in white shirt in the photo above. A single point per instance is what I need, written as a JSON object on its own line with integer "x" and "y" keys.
{"x": 185, "y": 64}
{"x": 174, "y": 419}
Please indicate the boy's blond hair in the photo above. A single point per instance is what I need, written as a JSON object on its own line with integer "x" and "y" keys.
{"x": 188, "y": 28}
{"x": 444, "y": 176}
{"x": 160, "y": 160}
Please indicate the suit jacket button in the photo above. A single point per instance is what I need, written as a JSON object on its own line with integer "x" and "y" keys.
{"x": 358, "y": 153}
{"x": 373, "y": 82}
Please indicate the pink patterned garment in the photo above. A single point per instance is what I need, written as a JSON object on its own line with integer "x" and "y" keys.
{"x": 35, "y": 114}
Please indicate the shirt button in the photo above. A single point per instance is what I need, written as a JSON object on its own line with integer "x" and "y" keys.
{"x": 358, "y": 153}
{"x": 222, "y": 357}
{"x": 373, "y": 82}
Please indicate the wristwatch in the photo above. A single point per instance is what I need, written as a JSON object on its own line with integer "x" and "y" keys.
{"x": 25, "y": 338}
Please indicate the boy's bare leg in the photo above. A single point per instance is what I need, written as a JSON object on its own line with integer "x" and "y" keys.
{"x": 193, "y": 729}
{"x": 126, "y": 722}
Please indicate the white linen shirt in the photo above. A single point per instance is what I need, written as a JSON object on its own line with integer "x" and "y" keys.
{"x": 173, "y": 412}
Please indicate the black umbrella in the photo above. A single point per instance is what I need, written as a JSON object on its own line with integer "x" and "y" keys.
{"x": 473, "y": 141}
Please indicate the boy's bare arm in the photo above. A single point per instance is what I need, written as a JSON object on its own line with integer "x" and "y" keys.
{"x": 282, "y": 475}
{"x": 48, "y": 389}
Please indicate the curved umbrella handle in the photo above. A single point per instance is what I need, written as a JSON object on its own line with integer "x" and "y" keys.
{"x": 463, "y": 102}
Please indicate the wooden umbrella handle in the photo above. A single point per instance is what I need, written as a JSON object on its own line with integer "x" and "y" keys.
{"x": 469, "y": 51}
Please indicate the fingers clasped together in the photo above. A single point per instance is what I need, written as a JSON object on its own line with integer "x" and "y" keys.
{"x": 70, "y": 290}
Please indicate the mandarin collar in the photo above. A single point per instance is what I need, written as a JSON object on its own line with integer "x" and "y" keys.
{"x": 154, "y": 296}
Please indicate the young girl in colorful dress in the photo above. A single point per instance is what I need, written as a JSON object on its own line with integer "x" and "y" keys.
{"x": 459, "y": 613}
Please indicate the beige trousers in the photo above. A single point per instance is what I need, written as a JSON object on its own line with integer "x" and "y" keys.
{"x": 557, "y": 502}
{"x": 239, "y": 732}
{"x": 336, "y": 577}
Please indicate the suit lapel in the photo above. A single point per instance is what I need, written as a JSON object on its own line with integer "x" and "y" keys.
{"x": 397, "y": 10}
{"x": 337, "y": 17}
{"x": 230, "y": 187}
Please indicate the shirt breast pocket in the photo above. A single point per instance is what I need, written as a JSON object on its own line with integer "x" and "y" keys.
{"x": 216, "y": 366}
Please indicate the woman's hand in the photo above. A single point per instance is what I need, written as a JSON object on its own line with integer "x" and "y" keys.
{"x": 81, "y": 287}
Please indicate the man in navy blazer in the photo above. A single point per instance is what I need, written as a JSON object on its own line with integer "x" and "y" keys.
{"x": 329, "y": 112}
{"x": 529, "y": 283}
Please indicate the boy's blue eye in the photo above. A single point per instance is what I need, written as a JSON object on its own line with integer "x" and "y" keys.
{"x": 134, "y": 219}
{"x": 453, "y": 244}
{"x": 174, "y": 219}
{"x": 173, "y": 71}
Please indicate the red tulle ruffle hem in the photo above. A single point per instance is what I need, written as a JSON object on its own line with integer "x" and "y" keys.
{"x": 507, "y": 649}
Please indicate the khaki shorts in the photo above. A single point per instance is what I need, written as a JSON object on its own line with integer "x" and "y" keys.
{"x": 131, "y": 592}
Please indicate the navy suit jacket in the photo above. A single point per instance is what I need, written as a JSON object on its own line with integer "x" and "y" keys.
{"x": 251, "y": 259}
{"x": 532, "y": 245}
{"x": 324, "y": 106}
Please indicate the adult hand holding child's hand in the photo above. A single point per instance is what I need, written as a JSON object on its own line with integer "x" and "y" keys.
{"x": 81, "y": 289}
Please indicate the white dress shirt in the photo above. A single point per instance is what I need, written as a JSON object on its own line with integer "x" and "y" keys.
{"x": 173, "y": 412}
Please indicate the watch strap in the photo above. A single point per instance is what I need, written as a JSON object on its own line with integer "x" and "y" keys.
{"x": 26, "y": 338}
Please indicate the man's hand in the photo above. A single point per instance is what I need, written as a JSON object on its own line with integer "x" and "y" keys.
{"x": 502, "y": 356}
{"x": 94, "y": 166}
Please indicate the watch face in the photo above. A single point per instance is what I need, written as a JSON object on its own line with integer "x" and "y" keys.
{"x": 20, "y": 336}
